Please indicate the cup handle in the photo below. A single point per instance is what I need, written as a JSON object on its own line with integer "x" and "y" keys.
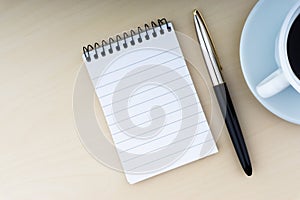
{"x": 273, "y": 84}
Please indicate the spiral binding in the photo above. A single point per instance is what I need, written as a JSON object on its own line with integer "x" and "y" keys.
{"x": 125, "y": 38}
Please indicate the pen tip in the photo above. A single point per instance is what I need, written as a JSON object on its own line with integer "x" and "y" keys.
{"x": 195, "y": 12}
{"x": 248, "y": 170}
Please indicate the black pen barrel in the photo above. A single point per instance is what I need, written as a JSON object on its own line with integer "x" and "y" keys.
{"x": 233, "y": 126}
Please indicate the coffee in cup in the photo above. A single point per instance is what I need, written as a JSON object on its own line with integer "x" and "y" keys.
{"x": 293, "y": 47}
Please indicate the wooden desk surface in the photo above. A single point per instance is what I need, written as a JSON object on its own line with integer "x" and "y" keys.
{"x": 41, "y": 154}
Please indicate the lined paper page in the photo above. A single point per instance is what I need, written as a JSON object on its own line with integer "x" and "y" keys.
{"x": 151, "y": 106}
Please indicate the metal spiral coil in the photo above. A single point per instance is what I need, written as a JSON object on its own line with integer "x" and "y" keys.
{"x": 125, "y": 40}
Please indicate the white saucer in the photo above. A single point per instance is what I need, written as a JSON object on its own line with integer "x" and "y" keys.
{"x": 257, "y": 55}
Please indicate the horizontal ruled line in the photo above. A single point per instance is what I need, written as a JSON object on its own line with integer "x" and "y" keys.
{"x": 164, "y": 135}
{"x": 148, "y": 58}
{"x": 153, "y": 66}
{"x": 140, "y": 103}
{"x": 182, "y": 150}
{"x": 157, "y": 86}
{"x": 174, "y": 111}
{"x": 153, "y": 108}
{"x": 141, "y": 81}
{"x": 156, "y": 128}
{"x": 200, "y": 133}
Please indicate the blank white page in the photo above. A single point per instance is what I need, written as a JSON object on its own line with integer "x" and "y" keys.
{"x": 150, "y": 104}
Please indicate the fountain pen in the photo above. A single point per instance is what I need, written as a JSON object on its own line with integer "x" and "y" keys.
{"x": 222, "y": 92}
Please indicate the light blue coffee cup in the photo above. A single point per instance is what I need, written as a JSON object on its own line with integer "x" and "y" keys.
{"x": 284, "y": 75}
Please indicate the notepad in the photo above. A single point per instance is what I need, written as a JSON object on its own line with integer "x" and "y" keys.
{"x": 149, "y": 101}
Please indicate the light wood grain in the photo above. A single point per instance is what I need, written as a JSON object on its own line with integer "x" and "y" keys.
{"x": 41, "y": 155}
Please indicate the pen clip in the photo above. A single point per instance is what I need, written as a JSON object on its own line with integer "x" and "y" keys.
{"x": 212, "y": 43}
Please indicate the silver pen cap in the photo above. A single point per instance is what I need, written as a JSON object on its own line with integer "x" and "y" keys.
{"x": 208, "y": 50}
